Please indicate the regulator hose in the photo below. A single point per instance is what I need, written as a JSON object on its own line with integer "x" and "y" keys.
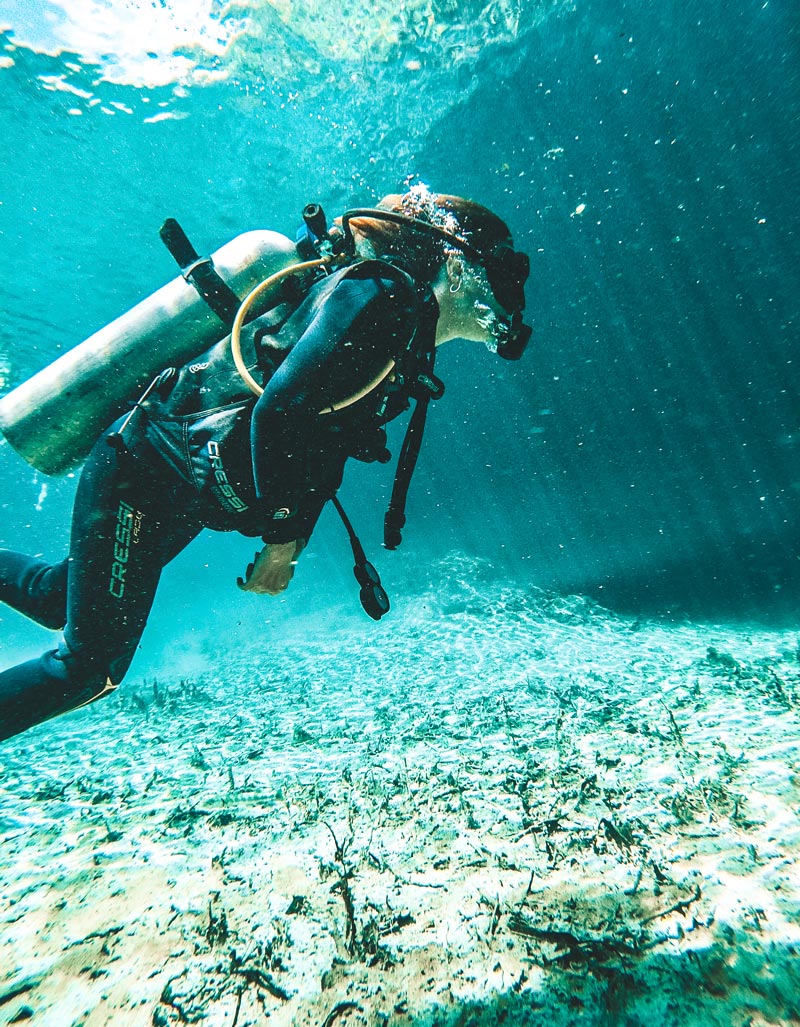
{"x": 241, "y": 314}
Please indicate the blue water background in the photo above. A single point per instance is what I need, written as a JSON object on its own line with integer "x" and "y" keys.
{"x": 644, "y": 453}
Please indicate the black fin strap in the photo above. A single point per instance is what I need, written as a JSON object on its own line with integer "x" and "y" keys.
{"x": 200, "y": 271}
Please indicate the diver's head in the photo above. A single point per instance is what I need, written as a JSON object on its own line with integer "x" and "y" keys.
{"x": 463, "y": 251}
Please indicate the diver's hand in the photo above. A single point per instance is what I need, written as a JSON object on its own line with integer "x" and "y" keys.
{"x": 271, "y": 569}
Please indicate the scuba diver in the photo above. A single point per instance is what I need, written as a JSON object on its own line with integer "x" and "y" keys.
{"x": 253, "y": 434}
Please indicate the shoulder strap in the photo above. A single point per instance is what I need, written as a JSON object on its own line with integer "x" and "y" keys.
{"x": 379, "y": 268}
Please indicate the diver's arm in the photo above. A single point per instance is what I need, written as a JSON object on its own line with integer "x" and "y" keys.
{"x": 358, "y": 329}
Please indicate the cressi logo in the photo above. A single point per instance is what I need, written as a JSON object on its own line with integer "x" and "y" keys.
{"x": 126, "y": 533}
{"x": 223, "y": 488}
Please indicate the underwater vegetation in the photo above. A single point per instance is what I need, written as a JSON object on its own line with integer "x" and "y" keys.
{"x": 561, "y": 813}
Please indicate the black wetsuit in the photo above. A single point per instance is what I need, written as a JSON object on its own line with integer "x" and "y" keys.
{"x": 203, "y": 452}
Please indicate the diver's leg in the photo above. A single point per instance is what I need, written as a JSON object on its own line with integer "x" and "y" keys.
{"x": 119, "y": 549}
{"x": 128, "y": 522}
{"x": 34, "y": 588}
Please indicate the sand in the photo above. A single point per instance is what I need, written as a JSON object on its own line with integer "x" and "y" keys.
{"x": 499, "y": 806}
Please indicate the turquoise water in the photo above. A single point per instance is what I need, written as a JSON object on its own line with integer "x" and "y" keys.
{"x": 562, "y": 774}
{"x": 645, "y": 452}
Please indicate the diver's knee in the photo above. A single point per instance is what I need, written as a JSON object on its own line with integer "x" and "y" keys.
{"x": 38, "y": 690}
{"x": 90, "y": 678}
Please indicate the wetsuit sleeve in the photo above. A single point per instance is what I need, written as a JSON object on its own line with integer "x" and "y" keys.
{"x": 358, "y": 329}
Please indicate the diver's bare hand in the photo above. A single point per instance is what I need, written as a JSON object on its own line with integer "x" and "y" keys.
{"x": 271, "y": 569}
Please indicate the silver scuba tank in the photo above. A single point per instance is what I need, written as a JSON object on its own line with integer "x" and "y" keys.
{"x": 53, "y": 419}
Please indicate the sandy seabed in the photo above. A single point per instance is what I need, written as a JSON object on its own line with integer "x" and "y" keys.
{"x": 505, "y": 807}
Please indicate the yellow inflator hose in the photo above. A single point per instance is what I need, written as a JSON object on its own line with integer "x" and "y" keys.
{"x": 241, "y": 314}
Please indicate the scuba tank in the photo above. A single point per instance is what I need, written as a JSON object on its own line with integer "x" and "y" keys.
{"x": 53, "y": 419}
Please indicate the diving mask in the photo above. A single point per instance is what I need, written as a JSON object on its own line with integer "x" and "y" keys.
{"x": 506, "y": 270}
